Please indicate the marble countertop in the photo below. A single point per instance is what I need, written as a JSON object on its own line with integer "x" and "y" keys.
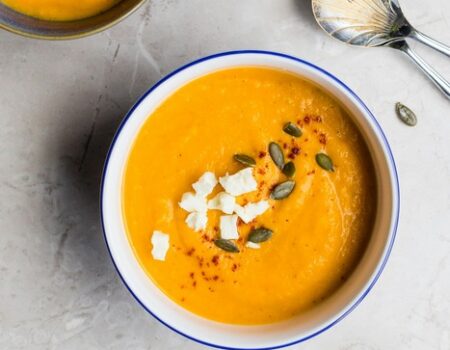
{"x": 60, "y": 103}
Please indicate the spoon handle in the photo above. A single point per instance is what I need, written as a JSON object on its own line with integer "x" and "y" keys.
{"x": 425, "y": 39}
{"x": 434, "y": 76}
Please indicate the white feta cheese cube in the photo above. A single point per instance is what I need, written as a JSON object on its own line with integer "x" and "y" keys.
{"x": 252, "y": 245}
{"x": 205, "y": 185}
{"x": 240, "y": 183}
{"x": 197, "y": 221}
{"x": 193, "y": 202}
{"x": 228, "y": 227}
{"x": 160, "y": 243}
{"x": 250, "y": 211}
{"x": 224, "y": 202}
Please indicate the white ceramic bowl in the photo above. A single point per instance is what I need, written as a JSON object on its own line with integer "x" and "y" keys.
{"x": 279, "y": 334}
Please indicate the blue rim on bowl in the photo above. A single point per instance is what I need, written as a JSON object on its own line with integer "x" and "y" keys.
{"x": 395, "y": 209}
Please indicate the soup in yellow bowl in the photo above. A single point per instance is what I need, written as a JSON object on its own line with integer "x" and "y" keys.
{"x": 249, "y": 196}
{"x": 60, "y": 10}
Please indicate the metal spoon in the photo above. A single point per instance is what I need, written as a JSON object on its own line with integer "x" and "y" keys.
{"x": 372, "y": 23}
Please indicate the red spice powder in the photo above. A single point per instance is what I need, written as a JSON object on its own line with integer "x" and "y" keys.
{"x": 318, "y": 119}
{"x": 307, "y": 119}
{"x": 261, "y": 186}
{"x": 191, "y": 275}
{"x": 215, "y": 278}
{"x": 262, "y": 154}
{"x": 206, "y": 238}
{"x": 234, "y": 267}
{"x": 215, "y": 260}
{"x": 190, "y": 251}
{"x": 323, "y": 138}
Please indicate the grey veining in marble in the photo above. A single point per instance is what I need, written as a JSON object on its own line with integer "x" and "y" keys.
{"x": 60, "y": 103}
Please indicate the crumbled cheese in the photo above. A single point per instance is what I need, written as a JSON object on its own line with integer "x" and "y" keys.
{"x": 249, "y": 212}
{"x": 193, "y": 203}
{"x": 228, "y": 227}
{"x": 252, "y": 245}
{"x": 197, "y": 221}
{"x": 240, "y": 183}
{"x": 205, "y": 185}
{"x": 160, "y": 243}
{"x": 224, "y": 202}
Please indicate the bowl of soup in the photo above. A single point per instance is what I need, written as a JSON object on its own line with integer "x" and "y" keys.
{"x": 249, "y": 200}
{"x": 63, "y": 19}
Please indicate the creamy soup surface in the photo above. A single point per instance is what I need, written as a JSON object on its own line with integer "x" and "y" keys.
{"x": 60, "y": 10}
{"x": 320, "y": 230}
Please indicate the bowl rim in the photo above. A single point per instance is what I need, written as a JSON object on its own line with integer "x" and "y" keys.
{"x": 388, "y": 154}
{"x": 80, "y": 35}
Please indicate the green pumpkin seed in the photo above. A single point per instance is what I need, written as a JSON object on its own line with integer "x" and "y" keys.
{"x": 324, "y": 161}
{"x": 289, "y": 169}
{"x": 276, "y": 153}
{"x": 260, "y": 235}
{"x": 244, "y": 159}
{"x": 405, "y": 114}
{"x": 226, "y": 245}
{"x": 283, "y": 190}
{"x": 292, "y": 129}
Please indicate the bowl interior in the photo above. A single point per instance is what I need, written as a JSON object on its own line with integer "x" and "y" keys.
{"x": 29, "y": 26}
{"x": 266, "y": 336}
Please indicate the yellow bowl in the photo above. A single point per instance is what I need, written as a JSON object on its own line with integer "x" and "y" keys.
{"x": 54, "y": 30}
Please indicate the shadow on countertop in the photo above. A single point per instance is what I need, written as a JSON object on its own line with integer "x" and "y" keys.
{"x": 305, "y": 11}
{"x": 80, "y": 154}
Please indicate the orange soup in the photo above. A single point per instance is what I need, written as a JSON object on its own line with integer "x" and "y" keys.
{"x": 60, "y": 10}
{"x": 296, "y": 233}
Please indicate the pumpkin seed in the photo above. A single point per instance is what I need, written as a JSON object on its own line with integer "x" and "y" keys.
{"x": 226, "y": 245}
{"x": 289, "y": 169}
{"x": 292, "y": 129}
{"x": 283, "y": 190}
{"x": 324, "y": 161}
{"x": 405, "y": 114}
{"x": 276, "y": 153}
{"x": 244, "y": 159}
{"x": 260, "y": 235}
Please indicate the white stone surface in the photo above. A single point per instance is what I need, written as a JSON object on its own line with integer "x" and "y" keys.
{"x": 60, "y": 103}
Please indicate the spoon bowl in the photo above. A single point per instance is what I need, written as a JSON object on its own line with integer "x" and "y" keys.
{"x": 368, "y": 23}
{"x": 373, "y": 23}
